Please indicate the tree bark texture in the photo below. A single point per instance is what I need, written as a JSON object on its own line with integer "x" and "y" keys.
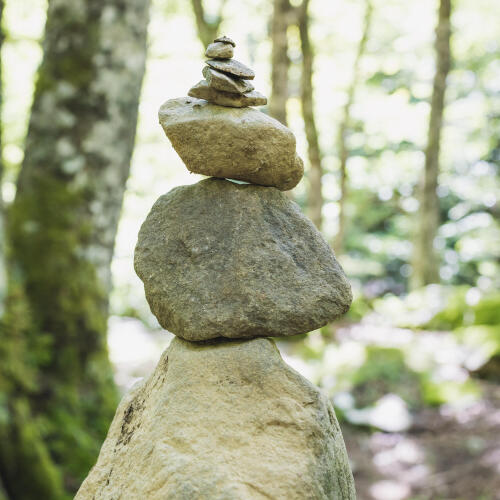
{"x": 61, "y": 229}
{"x": 314, "y": 195}
{"x": 280, "y": 62}
{"x": 425, "y": 261}
{"x": 345, "y": 126}
{"x": 3, "y": 272}
{"x": 207, "y": 29}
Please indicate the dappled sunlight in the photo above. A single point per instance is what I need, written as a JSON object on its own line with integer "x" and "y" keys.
{"x": 134, "y": 349}
{"x": 413, "y": 368}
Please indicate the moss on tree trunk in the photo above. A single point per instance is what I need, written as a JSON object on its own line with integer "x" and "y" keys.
{"x": 61, "y": 231}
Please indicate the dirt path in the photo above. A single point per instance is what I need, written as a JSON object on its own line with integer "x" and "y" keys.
{"x": 445, "y": 455}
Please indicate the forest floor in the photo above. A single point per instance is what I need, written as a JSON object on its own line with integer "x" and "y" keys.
{"x": 445, "y": 455}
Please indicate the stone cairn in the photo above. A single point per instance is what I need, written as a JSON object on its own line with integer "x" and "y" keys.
{"x": 226, "y": 80}
{"x": 226, "y": 265}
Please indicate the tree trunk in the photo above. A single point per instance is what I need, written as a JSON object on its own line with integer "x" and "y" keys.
{"x": 62, "y": 227}
{"x": 207, "y": 30}
{"x": 490, "y": 370}
{"x": 314, "y": 196}
{"x": 425, "y": 261}
{"x": 345, "y": 126}
{"x": 280, "y": 62}
{"x": 3, "y": 272}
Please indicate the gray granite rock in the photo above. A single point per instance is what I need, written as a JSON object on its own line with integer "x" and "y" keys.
{"x": 243, "y": 144}
{"x": 202, "y": 90}
{"x": 222, "y": 421}
{"x": 225, "y": 39}
{"x": 233, "y": 67}
{"x": 219, "y": 259}
{"x": 221, "y": 81}
{"x": 220, "y": 50}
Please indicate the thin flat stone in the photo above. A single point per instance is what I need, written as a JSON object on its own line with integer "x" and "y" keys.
{"x": 233, "y": 67}
{"x": 221, "y": 81}
{"x": 225, "y": 39}
{"x": 219, "y": 50}
{"x": 202, "y": 91}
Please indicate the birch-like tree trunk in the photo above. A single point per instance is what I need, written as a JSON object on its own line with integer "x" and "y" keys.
{"x": 280, "y": 62}
{"x": 61, "y": 231}
{"x": 314, "y": 194}
{"x": 345, "y": 126}
{"x": 207, "y": 28}
{"x": 425, "y": 261}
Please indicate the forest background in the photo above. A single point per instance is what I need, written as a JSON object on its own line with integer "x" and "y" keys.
{"x": 396, "y": 109}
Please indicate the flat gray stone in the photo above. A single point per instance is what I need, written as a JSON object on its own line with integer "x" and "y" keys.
{"x": 219, "y": 50}
{"x": 221, "y": 81}
{"x": 222, "y": 421}
{"x": 219, "y": 259}
{"x": 243, "y": 144}
{"x": 233, "y": 67}
{"x": 202, "y": 90}
{"x": 225, "y": 39}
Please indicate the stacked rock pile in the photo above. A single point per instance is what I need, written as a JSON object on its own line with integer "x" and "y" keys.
{"x": 226, "y": 80}
{"x": 224, "y": 266}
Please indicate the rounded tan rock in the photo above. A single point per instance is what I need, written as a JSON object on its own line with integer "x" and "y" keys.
{"x": 236, "y": 143}
{"x": 220, "y": 50}
{"x": 222, "y": 421}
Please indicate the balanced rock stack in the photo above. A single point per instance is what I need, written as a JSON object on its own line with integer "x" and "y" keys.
{"x": 224, "y": 266}
{"x": 226, "y": 80}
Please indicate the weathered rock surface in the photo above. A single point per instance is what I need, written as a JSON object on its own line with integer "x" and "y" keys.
{"x": 225, "y": 39}
{"x": 222, "y": 421}
{"x": 233, "y": 67}
{"x": 221, "y": 259}
{"x": 221, "y": 81}
{"x": 220, "y": 50}
{"x": 202, "y": 90}
{"x": 243, "y": 144}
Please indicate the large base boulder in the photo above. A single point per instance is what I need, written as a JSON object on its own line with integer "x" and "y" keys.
{"x": 222, "y": 421}
{"x": 221, "y": 259}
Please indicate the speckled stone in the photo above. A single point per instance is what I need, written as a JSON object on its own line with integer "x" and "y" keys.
{"x": 219, "y": 259}
{"x": 233, "y": 67}
{"x": 202, "y": 90}
{"x": 225, "y": 39}
{"x": 221, "y": 81}
{"x": 219, "y": 50}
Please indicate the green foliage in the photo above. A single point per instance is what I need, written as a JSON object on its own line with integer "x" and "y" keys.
{"x": 383, "y": 372}
{"x": 486, "y": 338}
{"x": 437, "y": 393}
{"x": 487, "y": 310}
{"x": 460, "y": 312}
{"x": 58, "y": 329}
{"x": 360, "y": 307}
